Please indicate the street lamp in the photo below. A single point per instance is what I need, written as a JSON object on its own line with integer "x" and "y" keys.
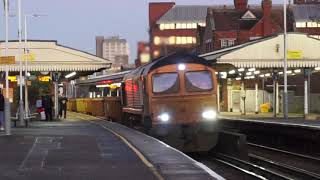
{"x": 26, "y": 52}
{"x": 285, "y": 94}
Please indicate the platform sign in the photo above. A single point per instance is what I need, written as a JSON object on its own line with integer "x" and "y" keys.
{"x": 7, "y": 60}
{"x": 294, "y": 54}
{"x": 29, "y": 56}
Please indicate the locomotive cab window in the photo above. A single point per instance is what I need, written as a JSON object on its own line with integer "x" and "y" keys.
{"x": 165, "y": 83}
{"x": 198, "y": 81}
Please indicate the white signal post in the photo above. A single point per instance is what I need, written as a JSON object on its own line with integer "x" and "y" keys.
{"x": 26, "y": 52}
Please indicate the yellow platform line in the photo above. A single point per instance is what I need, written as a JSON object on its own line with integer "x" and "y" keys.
{"x": 132, "y": 147}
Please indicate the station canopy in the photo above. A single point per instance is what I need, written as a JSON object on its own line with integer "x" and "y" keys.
{"x": 49, "y": 56}
{"x": 302, "y": 52}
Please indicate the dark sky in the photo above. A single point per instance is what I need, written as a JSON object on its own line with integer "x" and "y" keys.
{"x": 75, "y": 23}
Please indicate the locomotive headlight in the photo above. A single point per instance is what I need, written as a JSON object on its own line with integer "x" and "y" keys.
{"x": 181, "y": 67}
{"x": 164, "y": 117}
{"x": 210, "y": 114}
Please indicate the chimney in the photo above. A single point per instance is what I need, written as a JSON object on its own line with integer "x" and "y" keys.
{"x": 266, "y": 8}
{"x": 241, "y": 5}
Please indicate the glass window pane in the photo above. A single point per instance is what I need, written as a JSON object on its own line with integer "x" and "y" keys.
{"x": 189, "y": 40}
{"x": 198, "y": 81}
{"x": 183, "y": 40}
{"x": 178, "y": 26}
{"x": 165, "y": 83}
{"x": 183, "y": 26}
{"x": 161, "y": 26}
{"x": 178, "y": 40}
{"x": 194, "y": 25}
{"x": 189, "y": 26}
{"x": 172, "y": 26}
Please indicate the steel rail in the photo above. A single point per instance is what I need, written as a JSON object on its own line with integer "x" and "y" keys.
{"x": 250, "y": 168}
{"x": 288, "y": 169}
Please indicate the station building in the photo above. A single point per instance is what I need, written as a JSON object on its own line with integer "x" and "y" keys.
{"x": 258, "y": 74}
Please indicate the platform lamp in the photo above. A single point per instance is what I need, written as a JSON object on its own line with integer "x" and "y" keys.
{"x": 285, "y": 94}
{"x": 26, "y": 53}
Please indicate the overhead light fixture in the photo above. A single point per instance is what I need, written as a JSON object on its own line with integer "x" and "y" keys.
{"x": 256, "y": 72}
{"x": 261, "y": 75}
{"x": 297, "y": 71}
{"x": 252, "y": 69}
{"x": 232, "y": 72}
{"x": 317, "y": 68}
{"x": 102, "y": 85}
{"x": 280, "y": 72}
{"x": 241, "y": 69}
{"x": 238, "y": 78}
{"x": 249, "y": 73}
{"x": 267, "y": 75}
{"x": 289, "y": 72}
{"x": 70, "y": 75}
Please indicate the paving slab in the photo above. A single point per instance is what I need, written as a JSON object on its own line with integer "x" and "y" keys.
{"x": 68, "y": 150}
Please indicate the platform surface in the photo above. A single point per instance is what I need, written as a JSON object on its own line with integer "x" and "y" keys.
{"x": 293, "y": 120}
{"x": 83, "y": 147}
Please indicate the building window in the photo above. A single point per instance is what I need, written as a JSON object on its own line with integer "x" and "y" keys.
{"x": 156, "y": 40}
{"x": 172, "y": 40}
{"x": 231, "y": 42}
{"x": 224, "y": 43}
{"x": 156, "y": 53}
{"x": 202, "y": 24}
{"x": 300, "y": 24}
{"x": 312, "y": 24}
{"x": 167, "y": 26}
{"x": 227, "y": 42}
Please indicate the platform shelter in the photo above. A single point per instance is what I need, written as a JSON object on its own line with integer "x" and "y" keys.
{"x": 47, "y": 59}
{"x": 258, "y": 77}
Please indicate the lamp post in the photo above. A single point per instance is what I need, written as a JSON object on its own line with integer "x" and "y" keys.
{"x": 21, "y": 113}
{"x": 26, "y": 51}
{"x": 285, "y": 94}
{"x": 7, "y": 101}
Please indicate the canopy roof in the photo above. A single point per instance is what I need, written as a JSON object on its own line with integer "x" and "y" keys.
{"x": 268, "y": 52}
{"x": 47, "y": 55}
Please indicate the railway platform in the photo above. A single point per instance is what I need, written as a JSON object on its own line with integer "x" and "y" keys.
{"x": 294, "y": 120}
{"x": 84, "y": 147}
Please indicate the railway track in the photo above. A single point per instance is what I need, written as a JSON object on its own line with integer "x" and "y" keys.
{"x": 250, "y": 168}
{"x": 298, "y": 165}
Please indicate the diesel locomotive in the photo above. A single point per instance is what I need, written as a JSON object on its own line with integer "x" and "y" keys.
{"x": 174, "y": 99}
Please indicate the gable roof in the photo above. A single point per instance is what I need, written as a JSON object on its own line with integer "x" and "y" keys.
{"x": 306, "y": 12}
{"x": 228, "y": 18}
{"x": 48, "y": 55}
{"x": 268, "y": 52}
{"x": 184, "y": 14}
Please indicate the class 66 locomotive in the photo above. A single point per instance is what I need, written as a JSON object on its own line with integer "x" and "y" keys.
{"x": 173, "y": 98}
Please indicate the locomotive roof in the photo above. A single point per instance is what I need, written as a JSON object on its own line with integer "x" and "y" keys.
{"x": 176, "y": 58}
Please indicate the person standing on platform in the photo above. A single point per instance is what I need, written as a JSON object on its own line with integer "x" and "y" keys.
{"x": 1, "y": 111}
{"x": 63, "y": 106}
{"x": 48, "y": 104}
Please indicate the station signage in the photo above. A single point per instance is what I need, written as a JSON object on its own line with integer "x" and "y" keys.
{"x": 29, "y": 56}
{"x": 7, "y": 60}
{"x": 44, "y": 78}
{"x": 294, "y": 54}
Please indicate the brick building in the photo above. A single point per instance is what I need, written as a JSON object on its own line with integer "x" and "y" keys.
{"x": 306, "y": 16}
{"x": 143, "y": 54}
{"x": 229, "y": 26}
{"x": 174, "y": 27}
